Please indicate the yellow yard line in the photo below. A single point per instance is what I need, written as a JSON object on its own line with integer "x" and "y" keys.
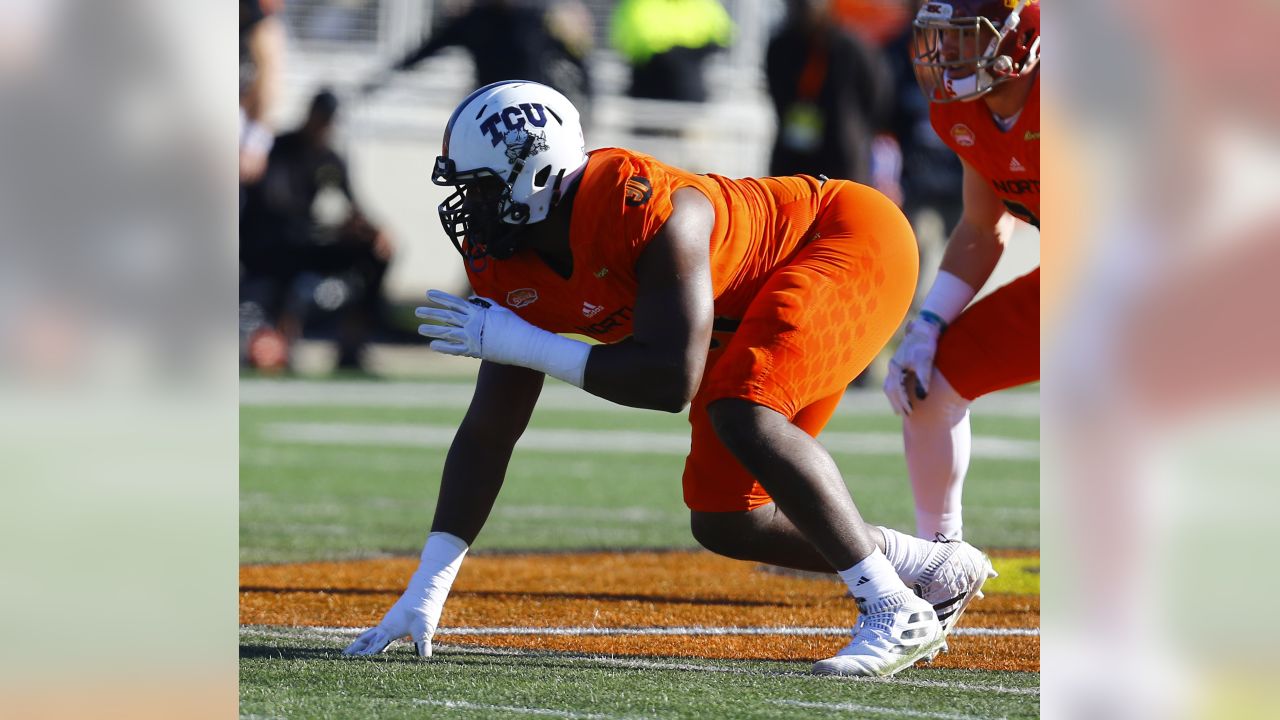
{"x": 1019, "y": 575}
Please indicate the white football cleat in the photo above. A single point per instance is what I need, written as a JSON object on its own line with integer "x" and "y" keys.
{"x": 892, "y": 634}
{"x": 952, "y": 579}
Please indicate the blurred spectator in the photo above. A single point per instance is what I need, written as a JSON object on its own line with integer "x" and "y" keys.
{"x": 305, "y": 243}
{"x": 831, "y": 92}
{"x": 930, "y": 181}
{"x": 261, "y": 64}
{"x": 876, "y": 21}
{"x": 515, "y": 40}
{"x": 334, "y": 20}
{"x": 666, "y": 43}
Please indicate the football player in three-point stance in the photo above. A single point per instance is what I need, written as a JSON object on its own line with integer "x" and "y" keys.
{"x": 978, "y": 63}
{"x": 754, "y": 302}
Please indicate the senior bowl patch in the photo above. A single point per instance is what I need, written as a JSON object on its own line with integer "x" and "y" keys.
{"x": 638, "y": 191}
{"x": 523, "y": 296}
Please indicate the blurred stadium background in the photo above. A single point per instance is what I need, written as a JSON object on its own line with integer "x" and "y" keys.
{"x": 390, "y": 138}
{"x": 393, "y": 137}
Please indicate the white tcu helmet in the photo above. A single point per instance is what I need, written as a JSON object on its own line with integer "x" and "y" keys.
{"x": 510, "y": 149}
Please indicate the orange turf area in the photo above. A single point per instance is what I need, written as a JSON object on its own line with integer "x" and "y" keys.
{"x": 618, "y": 590}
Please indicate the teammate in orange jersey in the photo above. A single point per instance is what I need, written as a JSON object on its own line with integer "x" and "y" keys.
{"x": 755, "y": 301}
{"x": 978, "y": 63}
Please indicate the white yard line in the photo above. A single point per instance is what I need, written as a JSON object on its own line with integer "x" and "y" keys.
{"x": 640, "y": 664}
{"x": 875, "y": 710}
{"x": 706, "y": 630}
{"x": 343, "y": 635}
{"x": 555, "y": 396}
{"x": 695, "y": 630}
{"x": 545, "y": 712}
{"x": 603, "y": 441}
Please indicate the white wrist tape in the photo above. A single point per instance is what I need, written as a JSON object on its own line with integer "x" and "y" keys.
{"x": 948, "y": 296}
{"x": 560, "y": 357}
{"x": 429, "y": 587}
{"x": 510, "y": 340}
{"x": 441, "y": 558}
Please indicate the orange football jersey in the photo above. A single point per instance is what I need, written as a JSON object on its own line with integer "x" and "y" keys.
{"x": 1009, "y": 160}
{"x": 623, "y": 199}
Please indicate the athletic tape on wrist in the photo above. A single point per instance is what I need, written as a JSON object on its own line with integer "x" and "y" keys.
{"x": 933, "y": 318}
{"x": 442, "y": 555}
{"x": 948, "y": 297}
{"x": 560, "y": 357}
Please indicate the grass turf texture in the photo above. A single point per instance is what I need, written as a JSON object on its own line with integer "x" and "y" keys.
{"x": 307, "y": 502}
{"x": 283, "y": 676}
{"x": 312, "y": 501}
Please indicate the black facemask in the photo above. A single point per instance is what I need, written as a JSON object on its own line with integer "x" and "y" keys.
{"x": 473, "y": 219}
{"x": 480, "y": 217}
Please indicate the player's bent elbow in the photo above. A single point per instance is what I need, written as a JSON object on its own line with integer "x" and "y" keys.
{"x": 676, "y": 408}
{"x": 675, "y": 383}
{"x": 672, "y": 402}
{"x": 686, "y": 388}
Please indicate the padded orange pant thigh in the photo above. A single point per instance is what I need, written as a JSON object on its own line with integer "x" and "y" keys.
{"x": 995, "y": 343}
{"x": 814, "y": 326}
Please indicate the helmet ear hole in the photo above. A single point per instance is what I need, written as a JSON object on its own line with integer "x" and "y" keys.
{"x": 540, "y": 180}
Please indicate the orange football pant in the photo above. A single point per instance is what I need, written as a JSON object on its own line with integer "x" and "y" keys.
{"x": 995, "y": 343}
{"x": 814, "y": 326}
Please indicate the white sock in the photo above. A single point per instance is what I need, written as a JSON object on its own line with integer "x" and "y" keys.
{"x": 872, "y": 579}
{"x": 907, "y": 554}
{"x": 930, "y": 525}
{"x": 938, "y": 441}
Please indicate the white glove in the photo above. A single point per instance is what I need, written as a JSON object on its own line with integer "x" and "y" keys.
{"x": 462, "y": 326}
{"x": 417, "y": 613}
{"x": 414, "y": 615}
{"x": 481, "y": 328}
{"x": 913, "y": 357}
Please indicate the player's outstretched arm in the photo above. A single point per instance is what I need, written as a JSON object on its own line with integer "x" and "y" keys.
{"x": 473, "y": 472}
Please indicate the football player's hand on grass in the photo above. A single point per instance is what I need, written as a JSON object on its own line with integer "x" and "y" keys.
{"x": 417, "y": 612}
{"x": 407, "y": 618}
{"x": 413, "y": 616}
{"x": 914, "y": 358}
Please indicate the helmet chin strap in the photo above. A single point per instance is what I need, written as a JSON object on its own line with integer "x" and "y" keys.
{"x": 555, "y": 189}
{"x": 563, "y": 181}
{"x": 967, "y": 85}
{"x": 521, "y": 157}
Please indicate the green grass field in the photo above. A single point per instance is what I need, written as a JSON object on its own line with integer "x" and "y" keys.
{"x": 351, "y": 469}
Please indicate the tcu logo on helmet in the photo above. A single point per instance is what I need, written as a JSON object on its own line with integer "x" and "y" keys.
{"x": 515, "y": 140}
{"x": 525, "y": 136}
{"x": 515, "y": 117}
